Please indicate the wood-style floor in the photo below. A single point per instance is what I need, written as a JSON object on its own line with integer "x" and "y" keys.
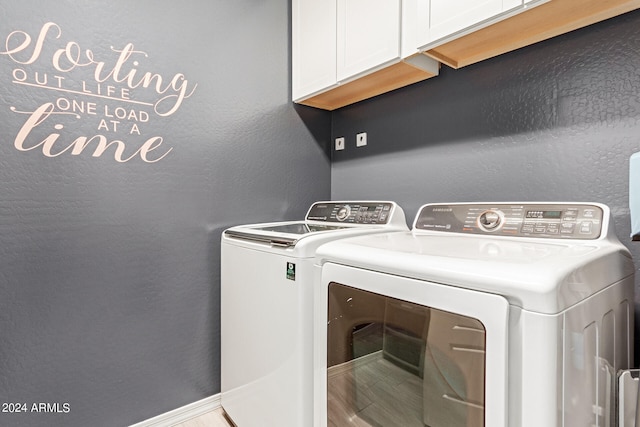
{"x": 371, "y": 391}
{"x": 385, "y": 384}
{"x": 210, "y": 419}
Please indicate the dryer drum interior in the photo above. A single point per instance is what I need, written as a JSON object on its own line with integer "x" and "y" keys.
{"x": 394, "y": 362}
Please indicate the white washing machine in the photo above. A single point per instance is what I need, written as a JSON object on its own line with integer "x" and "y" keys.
{"x": 267, "y": 280}
{"x": 485, "y": 314}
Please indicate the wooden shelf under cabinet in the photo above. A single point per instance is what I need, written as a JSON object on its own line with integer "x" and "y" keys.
{"x": 392, "y": 77}
{"x": 540, "y": 23}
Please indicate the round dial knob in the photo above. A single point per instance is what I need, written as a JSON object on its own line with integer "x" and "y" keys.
{"x": 343, "y": 213}
{"x": 490, "y": 220}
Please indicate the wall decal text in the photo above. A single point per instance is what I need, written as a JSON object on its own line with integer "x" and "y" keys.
{"x": 110, "y": 88}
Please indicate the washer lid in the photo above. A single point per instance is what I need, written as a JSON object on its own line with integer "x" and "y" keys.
{"x": 279, "y": 234}
{"x": 545, "y": 276}
{"x": 325, "y": 221}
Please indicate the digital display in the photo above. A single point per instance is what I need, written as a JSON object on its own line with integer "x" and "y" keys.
{"x": 544, "y": 214}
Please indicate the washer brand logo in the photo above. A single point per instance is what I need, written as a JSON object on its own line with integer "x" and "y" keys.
{"x": 291, "y": 271}
{"x": 442, "y": 210}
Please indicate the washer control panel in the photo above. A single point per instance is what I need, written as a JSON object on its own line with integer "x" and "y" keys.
{"x": 556, "y": 221}
{"x": 351, "y": 212}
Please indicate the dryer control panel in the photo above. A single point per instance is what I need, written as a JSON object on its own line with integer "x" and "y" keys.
{"x": 556, "y": 221}
{"x": 351, "y": 212}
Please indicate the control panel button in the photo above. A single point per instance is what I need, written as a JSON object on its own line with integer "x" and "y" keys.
{"x": 567, "y": 228}
{"x": 553, "y": 229}
{"x": 343, "y": 213}
{"x": 586, "y": 227}
{"x": 489, "y": 220}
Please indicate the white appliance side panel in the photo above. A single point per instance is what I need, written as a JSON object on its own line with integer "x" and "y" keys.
{"x": 597, "y": 337}
{"x": 266, "y": 342}
{"x": 563, "y": 367}
{"x": 492, "y": 310}
{"x": 535, "y": 369}
{"x": 320, "y": 313}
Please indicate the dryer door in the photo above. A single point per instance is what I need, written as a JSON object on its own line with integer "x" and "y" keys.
{"x": 405, "y": 352}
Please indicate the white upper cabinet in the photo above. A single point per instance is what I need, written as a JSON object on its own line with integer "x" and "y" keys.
{"x": 450, "y": 16}
{"x": 462, "y": 32}
{"x": 443, "y": 20}
{"x": 313, "y": 46}
{"x": 345, "y": 51}
{"x": 368, "y": 35}
{"x": 337, "y": 41}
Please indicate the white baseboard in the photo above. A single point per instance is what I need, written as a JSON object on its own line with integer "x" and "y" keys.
{"x": 183, "y": 413}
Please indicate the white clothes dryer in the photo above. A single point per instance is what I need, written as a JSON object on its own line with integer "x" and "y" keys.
{"x": 484, "y": 315}
{"x": 267, "y": 280}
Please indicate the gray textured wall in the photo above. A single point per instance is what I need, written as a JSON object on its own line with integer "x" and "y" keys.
{"x": 109, "y": 271}
{"x": 554, "y": 121}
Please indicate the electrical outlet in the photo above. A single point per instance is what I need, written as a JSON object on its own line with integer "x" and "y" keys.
{"x": 361, "y": 139}
{"x": 340, "y": 143}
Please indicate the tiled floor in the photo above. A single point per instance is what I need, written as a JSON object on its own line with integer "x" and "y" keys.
{"x": 210, "y": 419}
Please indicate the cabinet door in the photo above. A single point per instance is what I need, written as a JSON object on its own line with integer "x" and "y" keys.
{"x": 368, "y": 35}
{"x": 313, "y": 46}
{"x": 444, "y": 18}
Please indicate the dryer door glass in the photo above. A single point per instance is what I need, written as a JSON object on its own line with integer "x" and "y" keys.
{"x": 396, "y": 363}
